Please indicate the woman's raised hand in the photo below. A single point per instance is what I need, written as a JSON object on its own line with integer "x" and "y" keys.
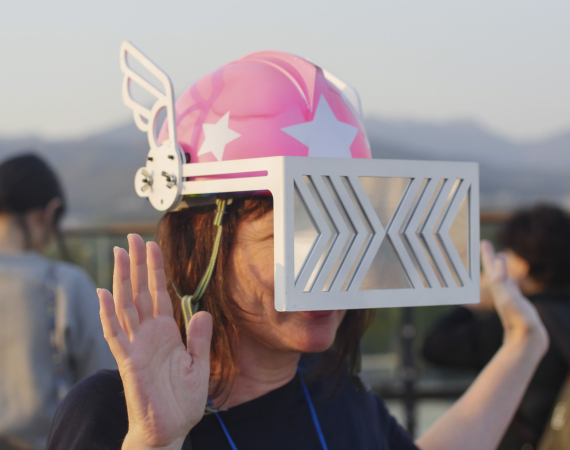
{"x": 478, "y": 420}
{"x": 166, "y": 385}
{"x": 518, "y": 316}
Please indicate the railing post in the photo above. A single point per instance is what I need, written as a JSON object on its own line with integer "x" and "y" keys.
{"x": 409, "y": 370}
{"x": 104, "y": 258}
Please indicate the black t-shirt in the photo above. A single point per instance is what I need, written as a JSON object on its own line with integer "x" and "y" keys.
{"x": 93, "y": 416}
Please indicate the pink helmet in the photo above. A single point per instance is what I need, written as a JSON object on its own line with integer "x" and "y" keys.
{"x": 269, "y": 104}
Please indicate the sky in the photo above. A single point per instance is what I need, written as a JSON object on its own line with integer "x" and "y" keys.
{"x": 503, "y": 64}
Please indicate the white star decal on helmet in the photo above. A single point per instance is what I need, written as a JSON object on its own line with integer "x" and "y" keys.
{"x": 324, "y": 135}
{"x": 216, "y": 136}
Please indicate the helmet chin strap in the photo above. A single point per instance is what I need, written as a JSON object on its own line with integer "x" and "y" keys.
{"x": 192, "y": 303}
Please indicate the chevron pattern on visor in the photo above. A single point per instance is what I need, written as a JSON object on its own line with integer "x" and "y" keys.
{"x": 360, "y": 233}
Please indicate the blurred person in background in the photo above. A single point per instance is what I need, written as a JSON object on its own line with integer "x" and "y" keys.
{"x": 50, "y": 332}
{"x": 537, "y": 252}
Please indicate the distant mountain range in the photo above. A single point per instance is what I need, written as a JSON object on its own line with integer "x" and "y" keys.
{"x": 511, "y": 174}
{"x": 98, "y": 171}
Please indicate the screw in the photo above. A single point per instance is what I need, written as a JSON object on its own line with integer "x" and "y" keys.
{"x": 170, "y": 180}
{"x": 147, "y": 180}
{"x": 149, "y": 158}
{"x": 170, "y": 157}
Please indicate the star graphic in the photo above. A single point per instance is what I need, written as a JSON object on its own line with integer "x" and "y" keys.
{"x": 216, "y": 136}
{"x": 324, "y": 135}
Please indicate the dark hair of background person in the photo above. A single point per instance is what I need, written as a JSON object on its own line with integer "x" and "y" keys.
{"x": 541, "y": 236}
{"x": 186, "y": 239}
{"x": 27, "y": 182}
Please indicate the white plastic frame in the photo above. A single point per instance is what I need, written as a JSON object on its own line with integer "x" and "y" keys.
{"x": 159, "y": 180}
{"x": 280, "y": 175}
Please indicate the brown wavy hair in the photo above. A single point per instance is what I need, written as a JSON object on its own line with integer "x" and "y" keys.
{"x": 186, "y": 239}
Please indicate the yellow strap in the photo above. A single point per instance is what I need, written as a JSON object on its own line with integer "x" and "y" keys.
{"x": 191, "y": 303}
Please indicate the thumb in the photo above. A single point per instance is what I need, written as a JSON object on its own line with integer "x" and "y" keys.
{"x": 487, "y": 258}
{"x": 199, "y": 337}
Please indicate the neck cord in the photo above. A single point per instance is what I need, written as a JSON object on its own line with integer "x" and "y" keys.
{"x": 311, "y": 408}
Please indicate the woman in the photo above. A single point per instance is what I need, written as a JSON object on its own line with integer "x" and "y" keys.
{"x": 50, "y": 335}
{"x": 537, "y": 243}
{"x": 240, "y": 352}
{"x": 166, "y": 385}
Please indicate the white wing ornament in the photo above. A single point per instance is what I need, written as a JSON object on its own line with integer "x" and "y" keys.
{"x": 161, "y": 179}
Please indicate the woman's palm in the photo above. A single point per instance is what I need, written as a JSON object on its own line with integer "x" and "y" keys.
{"x": 517, "y": 314}
{"x": 165, "y": 384}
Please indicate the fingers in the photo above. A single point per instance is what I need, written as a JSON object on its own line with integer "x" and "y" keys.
{"x": 494, "y": 265}
{"x": 114, "y": 334}
{"x": 123, "y": 293}
{"x": 157, "y": 281}
{"x": 139, "y": 277}
{"x": 199, "y": 337}
{"x": 487, "y": 257}
{"x": 501, "y": 263}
